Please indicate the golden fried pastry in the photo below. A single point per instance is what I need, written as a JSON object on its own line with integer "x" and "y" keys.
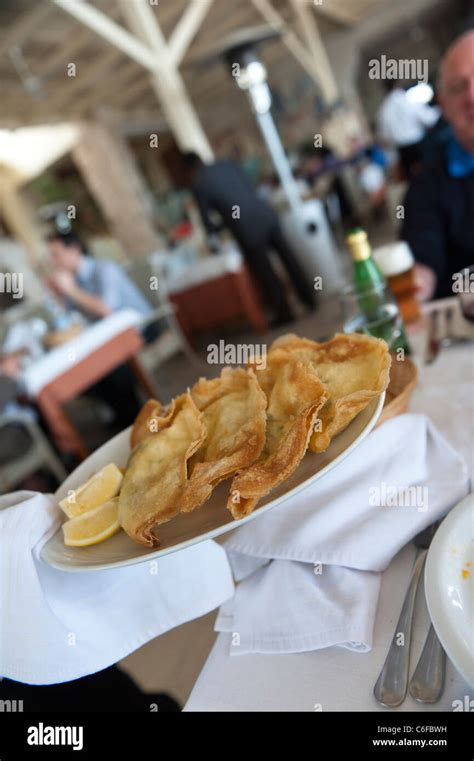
{"x": 233, "y": 407}
{"x": 152, "y": 418}
{"x": 295, "y": 396}
{"x": 354, "y": 369}
{"x": 157, "y": 472}
{"x": 142, "y": 425}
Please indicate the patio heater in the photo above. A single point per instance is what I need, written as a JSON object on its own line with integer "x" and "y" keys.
{"x": 304, "y": 222}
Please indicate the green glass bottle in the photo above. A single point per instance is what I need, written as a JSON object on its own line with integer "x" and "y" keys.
{"x": 381, "y": 317}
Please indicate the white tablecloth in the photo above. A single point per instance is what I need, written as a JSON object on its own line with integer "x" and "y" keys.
{"x": 205, "y": 269}
{"x": 336, "y": 679}
{"x": 44, "y": 370}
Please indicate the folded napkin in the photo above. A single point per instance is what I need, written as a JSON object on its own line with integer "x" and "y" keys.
{"x": 309, "y": 570}
{"x": 57, "y": 626}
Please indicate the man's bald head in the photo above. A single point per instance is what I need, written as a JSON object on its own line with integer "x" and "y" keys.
{"x": 456, "y": 88}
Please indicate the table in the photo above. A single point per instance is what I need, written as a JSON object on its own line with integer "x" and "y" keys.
{"x": 213, "y": 291}
{"x": 336, "y": 679}
{"x": 68, "y": 370}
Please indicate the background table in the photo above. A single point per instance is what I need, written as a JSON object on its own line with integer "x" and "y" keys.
{"x": 69, "y": 370}
{"x": 336, "y": 679}
{"x": 213, "y": 291}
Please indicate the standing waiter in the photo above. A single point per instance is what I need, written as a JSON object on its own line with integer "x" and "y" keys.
{"x": 223, "y": 187}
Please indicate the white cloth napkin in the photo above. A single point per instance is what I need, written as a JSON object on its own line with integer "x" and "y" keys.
{"x": 57, "y": 626}
{"x": 309, "y": 570}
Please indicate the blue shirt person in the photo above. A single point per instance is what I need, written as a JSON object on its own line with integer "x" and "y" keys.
{"x": 95, "y": 287}
{"x": 439, "y": 206}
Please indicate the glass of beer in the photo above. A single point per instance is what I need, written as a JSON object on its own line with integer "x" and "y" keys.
{"x": 397, "y": 264}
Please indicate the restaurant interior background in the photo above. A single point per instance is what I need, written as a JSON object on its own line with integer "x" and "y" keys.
{"x": 92, "y": 141}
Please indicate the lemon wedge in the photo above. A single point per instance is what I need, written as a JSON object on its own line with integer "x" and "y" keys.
{"x": 92, "y": 527}
{"x": 103, "y": 485}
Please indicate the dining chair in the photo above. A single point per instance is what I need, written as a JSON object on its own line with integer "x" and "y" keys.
{"x": 38, "y": 455}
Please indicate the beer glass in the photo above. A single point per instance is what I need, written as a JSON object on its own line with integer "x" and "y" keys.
{"x": 397, "y": 262}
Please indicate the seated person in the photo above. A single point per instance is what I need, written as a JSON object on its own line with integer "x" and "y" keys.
{"x": 439, "y": 206}
{"x": 97, "y": 288}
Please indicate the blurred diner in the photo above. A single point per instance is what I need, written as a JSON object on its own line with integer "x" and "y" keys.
{"x": 439, "y": 206}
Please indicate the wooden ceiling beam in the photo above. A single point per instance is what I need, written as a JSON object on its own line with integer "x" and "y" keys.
{"x": 167, "y": 13}
{"x": 27, "y": 22}
{"x": 139, "y": 86}
{"x": 186, "y": 29}
{"x": 86, "y": 74}
{"x": 206, "y": 84}
{"x": 148, "y": 47}
{"x": 311, "y": 56}
{"x": 335, "y": 12}
{"x": 222, "y": 23}
{"x": 143, "y": 122}
{"x": 66, "y": 51}
{"x": 310, "y": 31}
{"x": 63, "y": 53}
{"x": 109, "y": 30}
{"x": 124, "y": 78}
{"x": 167, "y": 81}
{"x": 276, "y": 21}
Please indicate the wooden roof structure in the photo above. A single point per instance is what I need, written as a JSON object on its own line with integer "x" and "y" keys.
{"x": 55, "y": 68}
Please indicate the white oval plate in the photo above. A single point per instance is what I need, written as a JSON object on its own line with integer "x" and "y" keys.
{"x": 449, "y": 594}
{"x": 211, "y": 520}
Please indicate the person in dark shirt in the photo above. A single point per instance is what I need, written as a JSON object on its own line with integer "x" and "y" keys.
{"x": 222, "y": 187}
{"x": 439, "y": 206}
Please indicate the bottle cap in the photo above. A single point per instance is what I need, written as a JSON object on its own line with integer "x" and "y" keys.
{"x": 359, "y": 245}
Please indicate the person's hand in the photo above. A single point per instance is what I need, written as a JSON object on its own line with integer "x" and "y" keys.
{"x": 425, "y": 282}
{"x": 10, "y": 365}
{"x": 63, "y": 282}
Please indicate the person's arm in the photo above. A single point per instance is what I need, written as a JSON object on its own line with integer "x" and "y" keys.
{"x": 424, "y": 230}
{"x": 205, "y": 209}
{"x": 89, "y": 303}
{"x": 64, "y": 283}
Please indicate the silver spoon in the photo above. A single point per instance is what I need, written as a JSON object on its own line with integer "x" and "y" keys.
{"x": 427, "y": 683}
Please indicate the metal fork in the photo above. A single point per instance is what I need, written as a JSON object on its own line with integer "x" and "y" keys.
{"x": 449, "y": 337}
{"x": 391, "y": 687}
{"x": 433, "y": 346}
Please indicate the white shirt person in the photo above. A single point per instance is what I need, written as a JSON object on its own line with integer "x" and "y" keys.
{"x": 402, "y": 124}
{"x": 402, "y": 121}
